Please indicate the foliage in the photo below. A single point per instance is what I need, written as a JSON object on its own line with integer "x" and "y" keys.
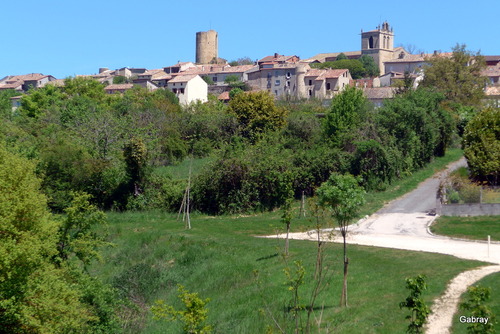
{"x": 40, "y": 101}
{"x": 476, "y": 298}
{"x": 82, "y": 231}
{"x": 415, "y": 124}
{"x": 135, "y": 154}
{"x": 343, "y": 196}
{"x": 35, "y": 295}
{"x": 481, "y": 143}
{"x": 119, "y": 79}
{"x": 354, "y": 66}
{"x": 372, "y": 163}
{"x": 233, "y": 81}
{"x": 241, "y": 61}
{"x": 294, "y": 281}
{"x": 208, "y": 80}
{"x": 257, "y": 180}
{"x": 416, "y": 305}
{"x": 235, "y": 91}
{"x": 370, "y": 66}
{"x": 346, "y": 114}
{"x": 341, "y": 56}
{"x": 257, "y": 113}
{"x": 5, "y": 102}
{"x": 193, "y": 316}
{"x": 458, "y": 77}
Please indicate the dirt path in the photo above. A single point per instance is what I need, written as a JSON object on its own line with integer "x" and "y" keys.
{"x": 403, "y": 224}
{"x": 444, "y": 307}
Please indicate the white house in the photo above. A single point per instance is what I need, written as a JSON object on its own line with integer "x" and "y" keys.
{"x": 189, "y": 88}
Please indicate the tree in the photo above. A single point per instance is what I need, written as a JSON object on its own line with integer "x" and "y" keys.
{"x": 354, "y": 66}
{"x": 83, "y": 230}
{"x": 135, "y": 153}
{"x": 370, "y": 66}
{"x": 346, "y": 114}
{"x": 343, "y": 196}
{"x": 38, "y": 102}
{"x": 341, "y": 56}
{"x": 233, "y": 81}
{"x": 5, "y": 102}
{"x": 35, "y": 295}
{"x": 193, "y": 316}
{"x": 257, "y": 113}
{"x": 481, "y": 143}
{"x": 416, "y": 305}
{"x": 241, "y": 61}
{"x": 458, "y": 77}
{"x": 119, "y": 79}
{"x": 208, "y": 80}
{"x": 476, "y": 298}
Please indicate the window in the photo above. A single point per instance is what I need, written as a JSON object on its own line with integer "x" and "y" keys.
{"x": 370, "y": 42}
{"x": 214, "y": 79}
{"x": 182, "y": 90}
{"x": 276, "y": 73}
{"x": 174, "y": 90}
{"x": 310, "y": 92}
{"x": 327, "y": 86}
{"x": 277, "y": 82}
{"x": 276, "y": 92}
{"x": 310, "y": 82}
{"x": 288, "y": 75}
{"x": 174, "y": 83}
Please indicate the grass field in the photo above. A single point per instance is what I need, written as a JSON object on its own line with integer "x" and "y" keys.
{"x": 477, "y": 228}
{"x": 220, "y": 256}
{"x": 492, "y": 282}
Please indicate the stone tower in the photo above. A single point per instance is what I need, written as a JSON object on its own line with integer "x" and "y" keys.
{"x": 378, "y": 44}
{"x": 206, "y": 46}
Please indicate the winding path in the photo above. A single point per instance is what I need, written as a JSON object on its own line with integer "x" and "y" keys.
{"x": 404, "y": 224}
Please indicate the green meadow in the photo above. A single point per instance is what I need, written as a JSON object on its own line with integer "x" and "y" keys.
{"x": 222, "y": 258}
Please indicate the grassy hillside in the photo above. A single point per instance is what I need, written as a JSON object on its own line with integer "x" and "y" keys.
{"x": 220, "y": 256}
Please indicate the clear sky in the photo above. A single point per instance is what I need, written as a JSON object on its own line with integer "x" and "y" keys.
{"x": 68, "y": 37}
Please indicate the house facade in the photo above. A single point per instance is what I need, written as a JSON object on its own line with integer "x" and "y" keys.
{"x": 189, "y": 88}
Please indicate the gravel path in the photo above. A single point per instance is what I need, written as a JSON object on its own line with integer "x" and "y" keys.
{"x": 403, "y": 224}
{"x": 444, "y": 307}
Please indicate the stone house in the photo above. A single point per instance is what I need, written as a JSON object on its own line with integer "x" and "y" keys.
{"x": 325, "y": 83}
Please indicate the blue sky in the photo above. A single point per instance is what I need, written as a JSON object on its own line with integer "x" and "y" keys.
{"x": 66, "y": 37}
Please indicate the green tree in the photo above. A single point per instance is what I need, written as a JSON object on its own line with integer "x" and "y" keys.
{"x": 193, "y": 316}
{"x": 135, "y": 153}
{"x": 416, "y": 305}
{"x": 5, "y": 102}
{"x": 475, "y": 304}
{"x": 233, "y": 81}
{"x": 39, "y": 101}
{"x": 341, "y": 56}
{"x": 256, "y": 112}
{"x": 83, "y": 230}
{"x": 370, "y": 66}
{"x": 354, "y": 66}
{"x": 343, "y": 196}
{"x": 208, "y": 80}
{"x": 346, "y": 113}
{"x": 481, "y": 143}
{"x": 119, "y": 79}
{"x": 35, "y": 295}
{"x": 235, "y": 91}
{"x": 458, "y": 77}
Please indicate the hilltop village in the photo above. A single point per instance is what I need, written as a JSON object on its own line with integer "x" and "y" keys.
{"x": 281, "y": 75}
